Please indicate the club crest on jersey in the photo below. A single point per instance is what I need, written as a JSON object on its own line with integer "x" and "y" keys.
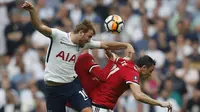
{"x": 135, "y": 78}
{"x": 93, "y": 61}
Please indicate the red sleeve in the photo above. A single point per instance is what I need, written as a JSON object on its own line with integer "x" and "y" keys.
{"x": 131, "y": 77}
{"x": 120, "y": 60}
{"x": 84, "y": 62}
{"x": 99, "y": 73}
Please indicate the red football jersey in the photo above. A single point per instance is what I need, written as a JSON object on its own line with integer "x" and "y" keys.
{"x": 90, "y": 73}
{"x": 122, "y": 73}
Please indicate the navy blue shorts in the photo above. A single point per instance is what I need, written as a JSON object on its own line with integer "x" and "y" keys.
{"x": 57, "y": 96}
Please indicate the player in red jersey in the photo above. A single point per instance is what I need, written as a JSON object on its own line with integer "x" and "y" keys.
{"x": 125, "y": 75}
{"x": 90, "y": 73}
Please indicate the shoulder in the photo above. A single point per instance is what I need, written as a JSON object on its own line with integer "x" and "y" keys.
{"x": 57, "y": 33}
{"x": 85, "y": 56}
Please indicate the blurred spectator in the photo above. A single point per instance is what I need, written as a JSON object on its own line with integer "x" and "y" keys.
{"x": 13, "y": 66}
{"x": 62, "y": 21}
{"x": 195, "y": 56}
{"x": 20, "y": 80}
{"x": 32, "y": 100}
{"x": 165, "y": 97}
{"x": 189, "y": 75}
{"x": 13, "y": 32}
{"x": 4, "y": 20}
{"x": 90, "y": 15}
{"x": 45, "y": 12}
{"x": 193, "y": 104}
{"x": 101, "y": 9}
{"x": 155, "y": 53}
{"x": 76, "y": 12}
{"x": 178, "y": 84}
{"x": 179, "y": 14}
{"x": 183, "y": 47}
{"x": 168, "y": 86}
{"x": 9, "y": 97}
{"x": 143, "y": 41}
{"x": 133, "y": 30}
{"x": 27, "y": 25}
{"x": 127, "y": 103}
{"x": 170, "y": 60}
{"x": 163, "y": 43}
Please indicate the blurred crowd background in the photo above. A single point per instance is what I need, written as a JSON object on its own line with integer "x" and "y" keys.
{"x": 166, "y": 30}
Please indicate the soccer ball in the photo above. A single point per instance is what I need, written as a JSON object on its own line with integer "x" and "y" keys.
{"x": 114, "y": 24}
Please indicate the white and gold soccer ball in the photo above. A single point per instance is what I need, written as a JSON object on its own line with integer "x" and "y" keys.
{"x": 114, "y": 24}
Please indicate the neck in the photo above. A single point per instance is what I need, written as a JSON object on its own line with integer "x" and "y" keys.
{"x": 74, "y": 38}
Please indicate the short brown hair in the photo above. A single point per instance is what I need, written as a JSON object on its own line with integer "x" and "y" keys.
{"x": 85, "y": 25}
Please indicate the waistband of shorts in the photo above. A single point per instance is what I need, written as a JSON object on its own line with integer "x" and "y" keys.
{"x": 100, "y": 106}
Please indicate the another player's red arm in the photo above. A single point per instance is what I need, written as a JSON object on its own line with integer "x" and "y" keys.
{"x": 93, "y": 68}
{"x": 99, "y": 73}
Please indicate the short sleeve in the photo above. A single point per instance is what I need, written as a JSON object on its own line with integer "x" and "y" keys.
{"x": 131, "y": 77}
{"x": 93, "y": 44}
{"x": 57, "y": 34}
{"x": 88, "y": 61}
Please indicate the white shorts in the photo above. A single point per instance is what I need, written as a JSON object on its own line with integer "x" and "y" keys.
{"x": 99, "y": 109}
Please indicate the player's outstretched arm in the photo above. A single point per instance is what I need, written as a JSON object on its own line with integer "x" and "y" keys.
{"x": 119, "y": 45}
{"x": 45, "y": 30}
{"x": 140, "y": 96}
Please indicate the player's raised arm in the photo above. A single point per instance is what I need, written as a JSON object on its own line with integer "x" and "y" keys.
{"x": 140, "y": 96}
{"x": 112, "y": 46}
{"x": 119, "y": 45}
{"x": 45, "y": 30}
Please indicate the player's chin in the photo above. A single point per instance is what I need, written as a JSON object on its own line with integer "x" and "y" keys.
{"x": 81, "y": 44}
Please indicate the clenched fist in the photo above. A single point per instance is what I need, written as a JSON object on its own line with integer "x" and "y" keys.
{"x": 28, "y": 6}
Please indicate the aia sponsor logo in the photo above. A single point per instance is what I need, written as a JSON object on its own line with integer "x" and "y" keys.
{"x": 66, "y": 56}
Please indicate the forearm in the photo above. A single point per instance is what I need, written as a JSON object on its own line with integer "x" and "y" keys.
{"x": 101, "y": 74}
{"x": 115, "y": 45}
{"x": 36, "y": 22}
{"x": 146, "y": 99}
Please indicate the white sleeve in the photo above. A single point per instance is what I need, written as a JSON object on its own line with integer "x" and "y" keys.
{"x": 57, "y": 34}
{"x": 93, "y": 44}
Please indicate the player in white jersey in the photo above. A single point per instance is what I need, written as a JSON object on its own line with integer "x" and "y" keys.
{"x": 60, "y": 77}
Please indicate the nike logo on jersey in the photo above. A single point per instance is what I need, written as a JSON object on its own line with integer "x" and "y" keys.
{"x": 64, "y": 43}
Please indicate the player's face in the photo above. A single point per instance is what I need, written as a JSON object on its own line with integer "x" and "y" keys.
{"x": 146, "y": 72}
{"x": 85, "y": 37}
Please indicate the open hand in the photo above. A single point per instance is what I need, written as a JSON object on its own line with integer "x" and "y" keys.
{"x": 28, "y": 6}
{"x": 168, "y": 105}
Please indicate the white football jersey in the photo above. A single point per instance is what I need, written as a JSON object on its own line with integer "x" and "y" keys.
{"x": 62, "y": 55}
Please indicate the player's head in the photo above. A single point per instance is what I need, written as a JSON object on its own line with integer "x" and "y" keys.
{"x": 146, "y": 65}
{"x": 85, "y": 30}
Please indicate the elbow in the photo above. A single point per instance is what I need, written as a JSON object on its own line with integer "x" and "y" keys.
{"x": 103, "y": 79}
{"x": 138, "y": 97}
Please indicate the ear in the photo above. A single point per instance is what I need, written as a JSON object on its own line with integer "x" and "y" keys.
{"x": 81, "y": 33}
{"x": 144, "y": 67}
